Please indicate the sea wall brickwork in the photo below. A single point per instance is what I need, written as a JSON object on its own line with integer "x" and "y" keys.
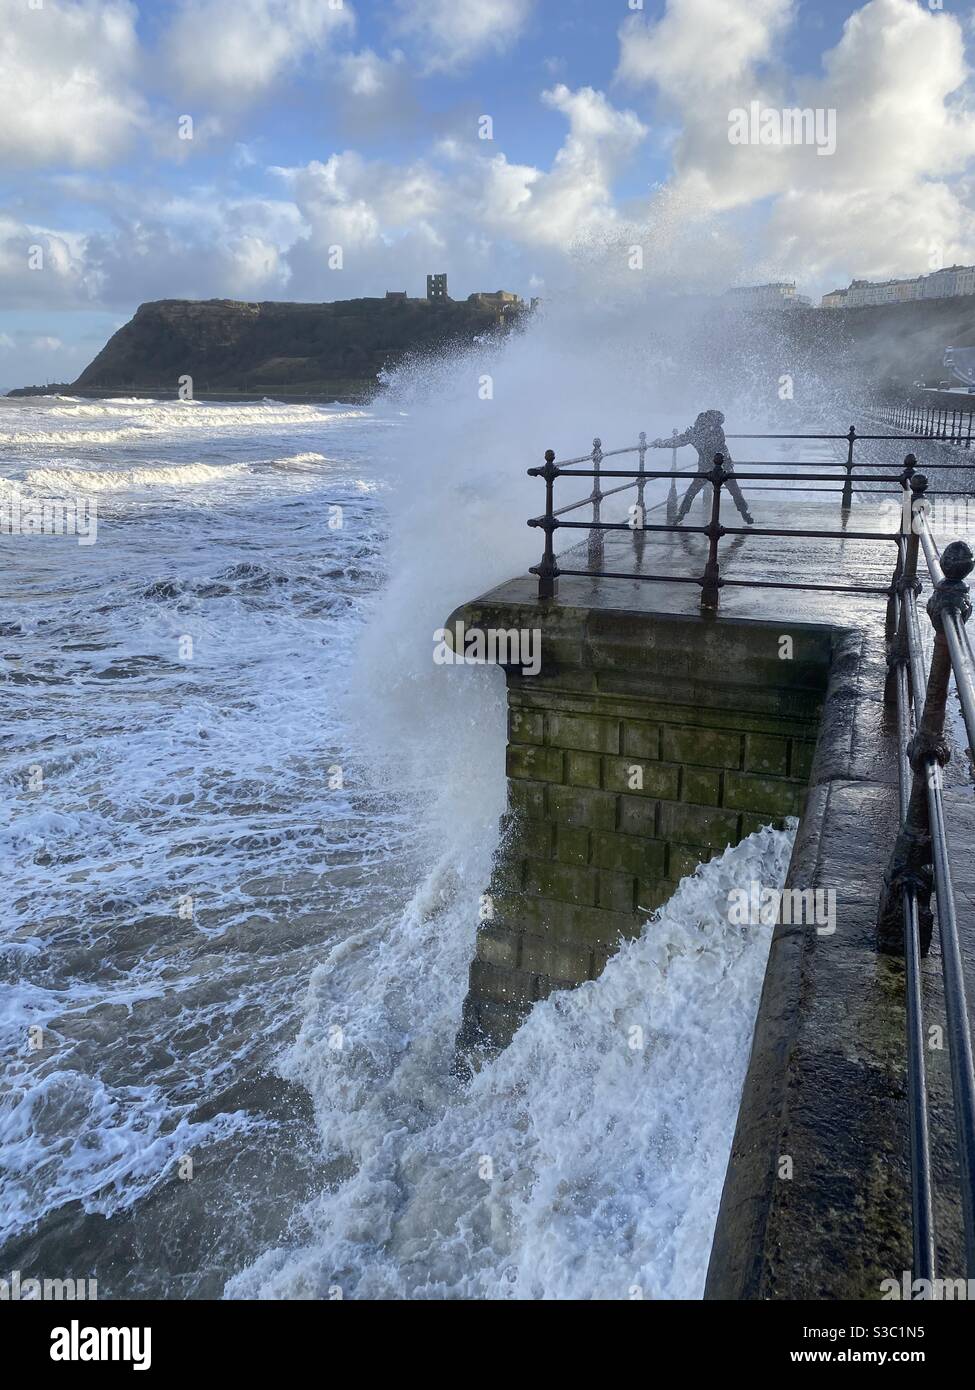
{"x": 616, "y": 794}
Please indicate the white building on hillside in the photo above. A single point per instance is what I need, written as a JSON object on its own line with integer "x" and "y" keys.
{"x": 774, "y": 296}
{"x": 940, "y": 284}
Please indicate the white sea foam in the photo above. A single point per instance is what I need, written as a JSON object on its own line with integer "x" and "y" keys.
{"x": 157, "y": 419}
{"x": 61, "y": 480}
{"x": 68, "y": 1137}
{"x": 586, "y": 1162}
{"x": 307, "y": 457}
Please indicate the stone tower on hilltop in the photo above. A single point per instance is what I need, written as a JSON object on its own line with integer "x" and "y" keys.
{"x": 437, "y": 289}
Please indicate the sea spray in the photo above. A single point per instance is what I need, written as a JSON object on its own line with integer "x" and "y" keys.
{"x": 415, "y": 1218}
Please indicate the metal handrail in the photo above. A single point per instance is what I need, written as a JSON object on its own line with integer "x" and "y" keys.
{"x": 933, "y": 422}
{"x": 922, "y": 1185}
{"x": 711, "y": 581}
{"x": 638, "y": 478}
{"x": 921, "y": 863}
{"x": 959, "y": 642}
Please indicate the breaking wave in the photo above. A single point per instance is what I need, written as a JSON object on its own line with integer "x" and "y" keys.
{"x": 585, "y": 1162}
{"x": 61, "y": 480}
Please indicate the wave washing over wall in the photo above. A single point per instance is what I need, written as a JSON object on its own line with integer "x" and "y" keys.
{"x": 586, "y": 1162}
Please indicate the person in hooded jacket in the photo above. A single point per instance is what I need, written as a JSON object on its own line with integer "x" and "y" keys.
{"x": 707, "y": 436}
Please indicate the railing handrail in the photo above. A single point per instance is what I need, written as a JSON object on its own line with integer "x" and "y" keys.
{"x": 592, "y": 465}
{"x": 950, "y": 426}
{"x": 921, "y": 862}
{"x": 933, "y": 560}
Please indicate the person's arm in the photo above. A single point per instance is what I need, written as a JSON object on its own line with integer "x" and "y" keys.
{"x": 676, "y": 441}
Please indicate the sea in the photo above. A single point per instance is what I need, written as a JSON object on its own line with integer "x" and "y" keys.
{"x": 246, "y": 821}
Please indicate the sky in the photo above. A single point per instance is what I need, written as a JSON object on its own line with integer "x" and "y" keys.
{"x": 325, "y": 149}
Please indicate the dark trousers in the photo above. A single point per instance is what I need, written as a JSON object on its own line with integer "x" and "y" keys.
{"x": 703, "y": 481}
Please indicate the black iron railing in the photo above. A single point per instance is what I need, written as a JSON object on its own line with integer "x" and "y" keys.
{"x": 920, "y": 864}
{"x": 929, "y": 422}
{"x": 712, "y": 580}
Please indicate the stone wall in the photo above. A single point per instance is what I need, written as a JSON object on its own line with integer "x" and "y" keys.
{"x": 644, "y": 746}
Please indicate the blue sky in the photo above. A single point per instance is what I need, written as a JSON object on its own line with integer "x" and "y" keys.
{"x": 318, "y": 124}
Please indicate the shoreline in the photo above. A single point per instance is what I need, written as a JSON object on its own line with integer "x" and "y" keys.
{"x": 358, "y": 396}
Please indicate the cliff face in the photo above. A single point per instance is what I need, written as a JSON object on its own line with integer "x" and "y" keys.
{"x": 227, "y": 345}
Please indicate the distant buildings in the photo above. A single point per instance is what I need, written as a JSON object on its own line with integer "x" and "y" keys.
{"x": 940, "y": 284}
{"x": 501, "y": 302}
{"x": 496, "y": 299}
{"x": 779, "y": 294}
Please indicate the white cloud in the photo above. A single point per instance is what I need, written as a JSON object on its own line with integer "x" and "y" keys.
{"x": 365, "y": 74}
{"x": 700, "y": 45}
{"x": 450, "y": 34}
{"x": 232, "y": 51}
{"x": 575, "y": 196}
{"x": 196, "y": 246}
{"x": 41, "y": 268}
{"x": 897, "y": 80}
{"x": 66, "y": 82}
{"x": 376, "y": 95}
{"x": 476, "y": 213}
{"x": 894, "y": 191}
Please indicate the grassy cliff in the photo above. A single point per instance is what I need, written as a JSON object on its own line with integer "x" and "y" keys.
{"x": 228, "y": 346}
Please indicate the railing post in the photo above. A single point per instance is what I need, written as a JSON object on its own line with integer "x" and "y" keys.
{"x": 711, "y": 582}
{"x": 846, "y": 501}
{"x": 950, "y": 597}
{"x": 905, "y": 579}
{"x": 547, "y": 570}
{"x": 639, "y": 533}
{"x": 910, "y": 863}
{"x": 672, "y": 494}
{"x": 595, "y": 553}
{"x": 890, "y": 619}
